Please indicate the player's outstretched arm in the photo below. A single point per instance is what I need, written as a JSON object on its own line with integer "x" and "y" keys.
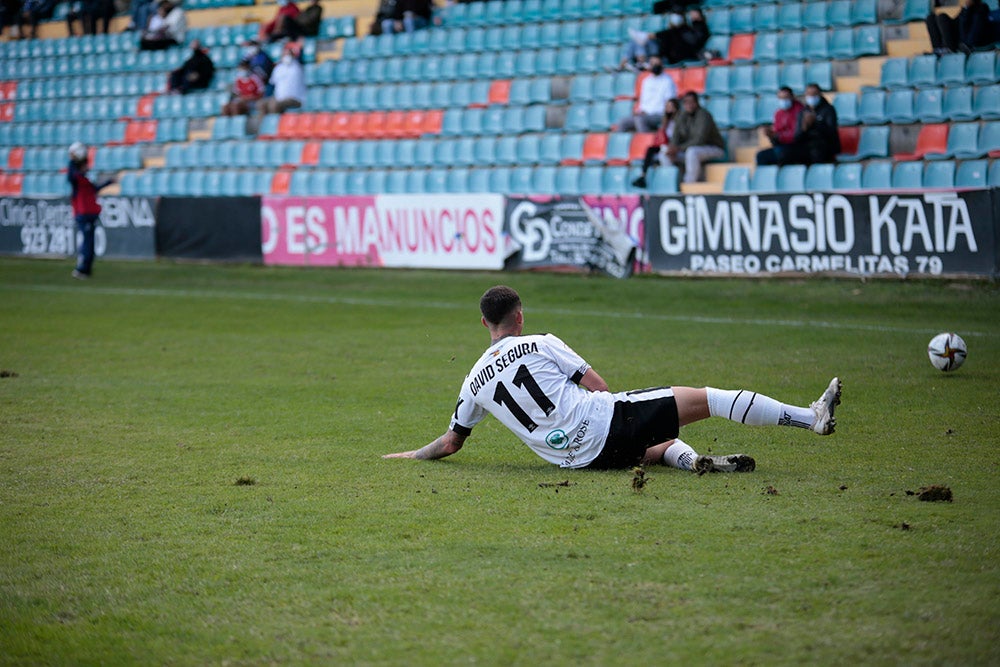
{"x": 446, "y": 445}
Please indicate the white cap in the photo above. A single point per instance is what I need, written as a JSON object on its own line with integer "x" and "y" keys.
{"x": 78, "y": 150}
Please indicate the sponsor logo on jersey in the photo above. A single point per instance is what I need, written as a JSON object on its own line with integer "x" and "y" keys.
{"x": 557, "y": 439}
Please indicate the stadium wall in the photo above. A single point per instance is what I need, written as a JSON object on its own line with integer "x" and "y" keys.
{"x": 898, "y": 234}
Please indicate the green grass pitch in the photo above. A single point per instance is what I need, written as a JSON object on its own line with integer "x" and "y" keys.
{"x": 190, "y": 474}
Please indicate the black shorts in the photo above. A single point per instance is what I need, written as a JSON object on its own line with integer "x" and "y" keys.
{"x": 647, "y": 418}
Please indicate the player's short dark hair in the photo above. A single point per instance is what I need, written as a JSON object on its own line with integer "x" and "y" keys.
{"x": 499, "y": 303}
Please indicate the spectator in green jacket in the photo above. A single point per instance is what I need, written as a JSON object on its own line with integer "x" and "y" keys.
{"x": 696, "y": 139}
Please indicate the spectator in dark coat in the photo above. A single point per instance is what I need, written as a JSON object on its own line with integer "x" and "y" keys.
{"x": 971, "y": 30}
{"x": 783, "y": 131}
{"x": 818, "y": 138}
{"x": 683, "y": 40}
{"x": 195, "y": 74}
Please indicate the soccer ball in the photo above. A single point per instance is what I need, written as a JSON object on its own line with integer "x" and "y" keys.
{"x": 947, "y": 351}
{"x": 78, "y": 151}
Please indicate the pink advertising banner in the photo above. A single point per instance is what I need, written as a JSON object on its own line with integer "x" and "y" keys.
{"x": 401, "y": 231}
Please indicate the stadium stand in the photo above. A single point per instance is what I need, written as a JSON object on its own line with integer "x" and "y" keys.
{"x": 511, "y": 96}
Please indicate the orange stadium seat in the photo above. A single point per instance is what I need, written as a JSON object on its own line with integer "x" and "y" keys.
{"x": 310, "y": 153}
{"x": 338, "y": 124}
{"x": 741, "y": 47}
{"x": 281, "y": 182}
{"x": 375, "y": 122}
{"x": 395, "y": 125}
{"x": 144, "y": 108}
{"x": 640, "y": 142}
{"x": 694, "y": 79}
{"x": 933, "y": 139}
{"x": 323, "y": 125}
{"x": 595, "y": 147}
{"x": 499, "y": 92}
{"x": 356, "y": 125}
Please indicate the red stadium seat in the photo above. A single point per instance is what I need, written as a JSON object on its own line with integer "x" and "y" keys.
{"x": 15, "y": 158}
{"x": 144, "y": 108}
{"x": 849, "y": 137}
{"x": 6, "y": 113}
{"x": 395, "y": 125}
{"x": 375, "y": 123}
{"x": 323, "y": 125}
{"x": 338, "y": 124}
{"x": 356, "y": 124}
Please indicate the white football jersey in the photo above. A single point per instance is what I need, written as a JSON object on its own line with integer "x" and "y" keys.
{"x": 530, "y": 383}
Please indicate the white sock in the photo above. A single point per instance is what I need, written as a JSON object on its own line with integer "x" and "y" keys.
{"x": 679, "y": 455}
{"x": 747, "y": 407}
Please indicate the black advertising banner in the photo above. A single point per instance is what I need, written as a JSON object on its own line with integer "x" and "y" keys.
{"x": 911, "y": 234}
{"x": 45, "y": 227}
{"x": 221, "y": 228}
{"x": 586, "y": 233}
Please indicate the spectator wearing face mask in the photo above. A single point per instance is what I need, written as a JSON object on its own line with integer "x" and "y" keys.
{"x": 288, "y": 79}
{"x": 657, "y": 150}
{"x": 683, "y": 40}
{"x": 656, "y": 88}
{"x": 782, "y": 131}
{"x": 260, "y": 63}
{"x": 818, "y": 136}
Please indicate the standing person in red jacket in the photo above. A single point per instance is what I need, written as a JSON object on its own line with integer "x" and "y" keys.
{"x": 782, "y": 132}
{"x": 86, "y": 210}
{"x": 271, "y": 31}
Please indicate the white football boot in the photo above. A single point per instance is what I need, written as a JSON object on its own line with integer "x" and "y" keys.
{"x": 731, "y": 463}
{"x": 824, "y": 423}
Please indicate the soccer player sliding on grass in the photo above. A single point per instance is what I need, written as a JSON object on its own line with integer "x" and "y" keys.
{"x": 550, "y": 398}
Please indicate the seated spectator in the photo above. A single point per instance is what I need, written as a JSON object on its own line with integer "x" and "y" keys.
{"x": 269, "y": 32}
{"x": 35, "y": 11}
{"x": 288, "y": 79}
{"x": 656, "y": 88}
{"x": 696, "y": 139}
{"x": 971, "y": 30}
{"x": 818, "y": 137}
{"x": 246, "y": 90}
{"x": 682, "y": 40}
{"x": 260, "y": 62}
{"x": 305, "y": 24}
{"x": 90, "y": 13}
{"x": 166, "y": 28}
{"x": 195, "y": 74}
{"x": 782, "y": 132}
{"x": 656, "y": 151}
{"x": 386, "y": 11}
{"x": 408, "y": 16}
{"x": 140, "y": 12}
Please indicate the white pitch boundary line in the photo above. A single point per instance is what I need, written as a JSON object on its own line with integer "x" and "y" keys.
{"x": 441, "y": 305}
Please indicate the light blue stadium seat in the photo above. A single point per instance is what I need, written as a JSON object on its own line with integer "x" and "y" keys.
{"x": 980, "y": 67}
{"x": 877, "y": 176}
{"x": 971, "y": 174}
{"x": 922, "y": 71}
{"x": 993, "y": 179}
{"x": 867, "y": 40}
{"x": 963, "y": 143}
{"x": 765, "y": 109}
{"x": 986, "y": 103}
{"x": 744, "y": 112}
{"x": 616, "y": 181}
{"x": 665, "y": 180}
{"x": 819, "y": 178}
{"x": 957, "y": 104}
{"x": 899, "y": 106}
{"x": 765, "y": 18}
{"x": 741, "y": 19}
{"x": 817, "y": 45}
{"x": 717, "y": 81}
{"x": 864, "y": 12}
{"x": 478, "y": 180}
{"x": 766, "y": 46}
{"x": 908, "y": 175}
{"x": 791, "y": 178}
{"x": 989, "y": 137}
{"x": 939, "y": 174}
{"x": 737, "y": 180}
{"x": 501, "y": 179}
{"x": 842, "y": 43}
{"x": 873, "y": 142}
{"x": 721, "y": 109}
{"x": 484, "y": 150}
{"x": 847, "y": 177}
{"x": 542, "y": 180}
{"x": 871, "y": 107}
{"x": 790, "y": 15}
{"x": 719, "y": 20}
{"x": 416, "y": 181}
{"x": 568, "y": 180}
{"x": 396, "y": 180}
{"x": 742, "y": 78}
{"x": 929, "y": 105}
{"x": 814, "y": 14}
{"x": 457, "y": 181}
{"x": 529, "y": 148}
{"x": 764, "y": 179}
{"x": 820, "y": 73}
{"x": 895, "y": 73}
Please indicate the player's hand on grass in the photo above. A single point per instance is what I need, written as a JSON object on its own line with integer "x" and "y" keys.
{"x": 400, "y": 455}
